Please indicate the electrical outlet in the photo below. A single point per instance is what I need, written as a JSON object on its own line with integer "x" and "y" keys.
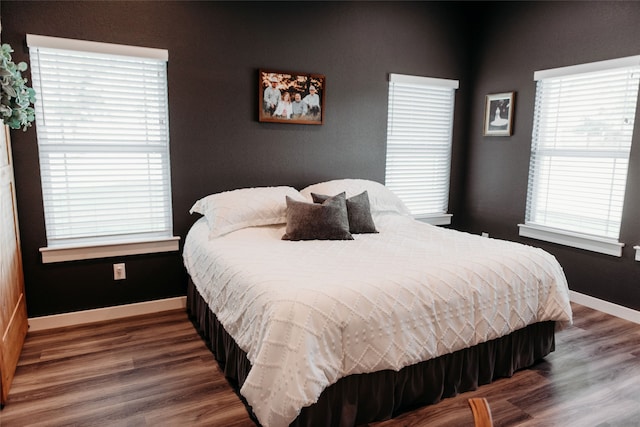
{"x": 119, "y": 272}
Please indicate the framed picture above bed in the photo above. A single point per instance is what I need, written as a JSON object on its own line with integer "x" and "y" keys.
{"x": 291, "y": 97}
{"x": 498, "y": 114}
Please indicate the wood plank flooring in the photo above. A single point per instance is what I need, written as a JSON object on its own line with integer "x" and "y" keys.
{"x": 156, "y": 371}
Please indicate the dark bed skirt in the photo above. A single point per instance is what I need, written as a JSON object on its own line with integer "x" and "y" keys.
{"x": 363, "y": 398}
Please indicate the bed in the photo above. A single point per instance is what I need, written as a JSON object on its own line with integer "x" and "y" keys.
{"x": 367, "y": 322}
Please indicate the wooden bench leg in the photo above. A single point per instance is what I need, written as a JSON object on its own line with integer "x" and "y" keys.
{"x": 481, "y": 412}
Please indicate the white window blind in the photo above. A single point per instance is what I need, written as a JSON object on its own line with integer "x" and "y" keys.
{"x": 103, "y": 139}
{"x": 419, "y": 136}
{"x": 583, "y": 124}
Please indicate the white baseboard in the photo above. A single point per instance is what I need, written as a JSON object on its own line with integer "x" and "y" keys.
{"x": 148, "y": 307}
{"x": 605, "y": 306}
{"x": 107, "y": 313}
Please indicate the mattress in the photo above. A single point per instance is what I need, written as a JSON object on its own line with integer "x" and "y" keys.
{"x": 309, "y": 313}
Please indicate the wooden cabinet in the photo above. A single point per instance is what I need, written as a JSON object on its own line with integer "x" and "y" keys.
{"x": 13, "y": 309}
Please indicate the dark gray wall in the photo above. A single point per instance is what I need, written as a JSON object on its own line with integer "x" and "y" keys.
{"x": 519, "y": 38}
{"x": 215, "y": 50}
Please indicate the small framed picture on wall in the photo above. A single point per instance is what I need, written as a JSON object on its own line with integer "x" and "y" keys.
{"x": 289, "y": 97}
{"x": 498, "y": 114}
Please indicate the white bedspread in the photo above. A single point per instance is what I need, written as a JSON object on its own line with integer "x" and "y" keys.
{"x": 309, "y": 313}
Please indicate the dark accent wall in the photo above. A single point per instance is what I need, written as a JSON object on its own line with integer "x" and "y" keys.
{"x": 517, "y": 39}
{"x": 215, "y": 51}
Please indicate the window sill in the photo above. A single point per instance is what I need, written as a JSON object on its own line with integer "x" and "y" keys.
{"x": 76, "y": 253}
{"x": 576, "y": 240}
{"x": 439, "y": 219}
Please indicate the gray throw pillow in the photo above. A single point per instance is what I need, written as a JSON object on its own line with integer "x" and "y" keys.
{"x": 310, "y": 221}
{"x": 358, "y": 211}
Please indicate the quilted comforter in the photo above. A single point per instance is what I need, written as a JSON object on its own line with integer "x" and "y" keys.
{"x": 308, "y": 313}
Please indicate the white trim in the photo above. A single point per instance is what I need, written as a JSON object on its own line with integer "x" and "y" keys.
{"x": 440, "y": 219}
{"x": 605, "y": 306}
{"x": 609, "y": 64}
{"x": 637, "y": 248}
{"x": 179, "y": 303}
{"x": 74, "y": 253}
{"x": 108, "y": 313}
{"x": 419, "y": 80}
{"x": 96, "y": 47}
{"x": 576, "y": 240}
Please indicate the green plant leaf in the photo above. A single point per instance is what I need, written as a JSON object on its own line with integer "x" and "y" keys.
{"x": 16, "y": 97}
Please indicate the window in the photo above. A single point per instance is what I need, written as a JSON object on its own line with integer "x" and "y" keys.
{"x": 419, "y": 134}
{"x": 103, "y": 140}
{"x": 582, "y": 129}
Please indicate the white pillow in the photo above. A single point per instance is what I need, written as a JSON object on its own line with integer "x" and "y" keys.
{"x": 381, "y": 199}
{"x": 246, "y": 207}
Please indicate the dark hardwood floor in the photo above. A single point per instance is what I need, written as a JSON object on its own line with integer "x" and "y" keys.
{"x": 156, "y": 371}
